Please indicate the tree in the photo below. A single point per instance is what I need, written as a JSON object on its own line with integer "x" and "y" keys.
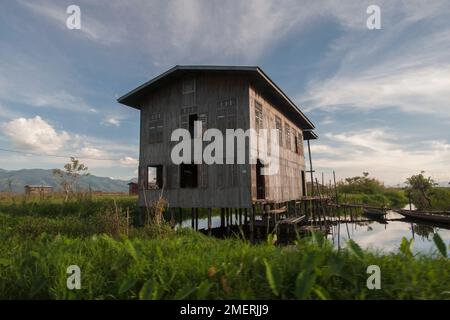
{"x": 418, "y": 188}
{"x": 361, "y": 184}
{"x": 68, "y": 177}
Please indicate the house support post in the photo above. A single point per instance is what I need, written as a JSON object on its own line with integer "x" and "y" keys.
{"x": 196, "y": 218}
{"x": 209, "y": 220}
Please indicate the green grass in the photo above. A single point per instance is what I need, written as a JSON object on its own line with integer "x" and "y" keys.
{"x": 390, "y": 197}
{"x": 440, "y": 199}
{"x": 119, "y": 261}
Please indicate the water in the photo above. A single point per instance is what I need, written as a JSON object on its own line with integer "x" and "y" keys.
{"x": 375, "y": 235}
{"x": 387, "y": 237}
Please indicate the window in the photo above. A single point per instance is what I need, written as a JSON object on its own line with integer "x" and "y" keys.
{"x": 296, "y": 143}
{"x": 258, "y": 116}
{"x": 287, "y": 130}
{"x": 300, "y": 143}
{"x": 279, "y": 127}
{"x": 155, "y": 128}
{"x": 188, "y": 85}
{"x": 154, "y": 177}
{"x": 227, "y": 114}
{"x": 188, "y": 175}
{"x": 188, "y": 91}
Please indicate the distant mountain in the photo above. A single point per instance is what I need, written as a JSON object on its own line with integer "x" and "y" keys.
{"x": 20, "y": 178}
{"x": 443, "y": 184}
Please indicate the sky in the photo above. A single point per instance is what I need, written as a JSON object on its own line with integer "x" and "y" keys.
{"x": 380, "y": 98}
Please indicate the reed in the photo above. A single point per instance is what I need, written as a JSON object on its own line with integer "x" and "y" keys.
{"x": 119, "y": 260}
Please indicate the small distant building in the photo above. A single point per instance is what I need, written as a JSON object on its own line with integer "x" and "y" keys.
{"x": 132, "y": 188}
{"x": 38, "y": 190}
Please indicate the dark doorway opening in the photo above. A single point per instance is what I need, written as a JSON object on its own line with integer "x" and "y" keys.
{"x": 260, "y": 181}
{"x": 303, "y": 184}
{"x": 192, "y": 119}
{"x": 188, "y": 175}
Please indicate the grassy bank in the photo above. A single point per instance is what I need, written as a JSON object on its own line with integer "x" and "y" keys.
{"x": 119, "y": 261}
{"x": 390, "y": 197}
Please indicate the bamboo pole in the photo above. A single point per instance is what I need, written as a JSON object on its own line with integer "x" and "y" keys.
{"x": 209, "y": 220}
{"x": 196, "y": 218}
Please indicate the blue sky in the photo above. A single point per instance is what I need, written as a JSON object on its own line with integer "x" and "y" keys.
{"x": 380, "y": 99}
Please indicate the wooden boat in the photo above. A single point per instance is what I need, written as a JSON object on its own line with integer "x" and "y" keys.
{"x": 374, "y": 213}
{"x": 426, "y": 216}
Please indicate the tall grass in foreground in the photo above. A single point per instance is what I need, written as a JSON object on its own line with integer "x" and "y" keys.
{"x": 189, "y": 265}
{"x": 184, "y": 264}
{"x": 120, "y": 261}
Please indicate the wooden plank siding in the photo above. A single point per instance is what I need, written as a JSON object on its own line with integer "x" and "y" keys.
{"x": 287, "y": 184}
{"x": 221, "y": 186}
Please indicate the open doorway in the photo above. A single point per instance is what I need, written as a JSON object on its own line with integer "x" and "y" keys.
{"x": 188, "y": 175}
{"x": 192, "y": 119}
{"x": 303, "y": 184}
{"x": 260, "y": 181}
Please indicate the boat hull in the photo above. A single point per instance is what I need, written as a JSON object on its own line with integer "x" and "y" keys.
{"x": 425, "y": 216}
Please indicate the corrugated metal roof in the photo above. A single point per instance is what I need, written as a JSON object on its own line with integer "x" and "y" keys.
{"x": 132, "y": 98}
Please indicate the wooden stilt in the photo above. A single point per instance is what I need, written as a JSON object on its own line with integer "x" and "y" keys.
{"x": 209, "y": 220}
{"x": 193, "y": 218}
{"x": 196, "y": 218}
{"x": 222, "y": 217}
{"x": 252, "y": 221}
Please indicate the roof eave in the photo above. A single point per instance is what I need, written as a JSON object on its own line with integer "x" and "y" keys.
{"x": 128, "y": 100}
{"x": 288, "y": 100}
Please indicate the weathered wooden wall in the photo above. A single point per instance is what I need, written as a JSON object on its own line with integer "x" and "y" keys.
{"x": 227, "y": 186}
{"x": 287, "y": 184}
{"x": 220, "y": 186}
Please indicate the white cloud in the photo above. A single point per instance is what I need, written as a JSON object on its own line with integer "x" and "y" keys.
{"x": 36, "y": 134}
{"x": 91, "y": 152}
{"x": 129, "y": 161}
{"x": 115, "y": 121}
{"x": 91, "y": 27}
{"x": 323, "y": 149}
{"x": 60, "y": 100}
{"x": 378, "y": 151}
{"x": 416, "y": 90}
{"x": 400, "y": 67}
{"x": 40, "y": 137}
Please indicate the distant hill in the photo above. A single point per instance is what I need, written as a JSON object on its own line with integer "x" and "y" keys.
{"x": 443, "y": 184}
{"x": 20, "y": 178}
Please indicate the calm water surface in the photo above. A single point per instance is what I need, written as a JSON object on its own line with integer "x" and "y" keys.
{"x": 375, "y": 235}
{"x": 387, "y": 237}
